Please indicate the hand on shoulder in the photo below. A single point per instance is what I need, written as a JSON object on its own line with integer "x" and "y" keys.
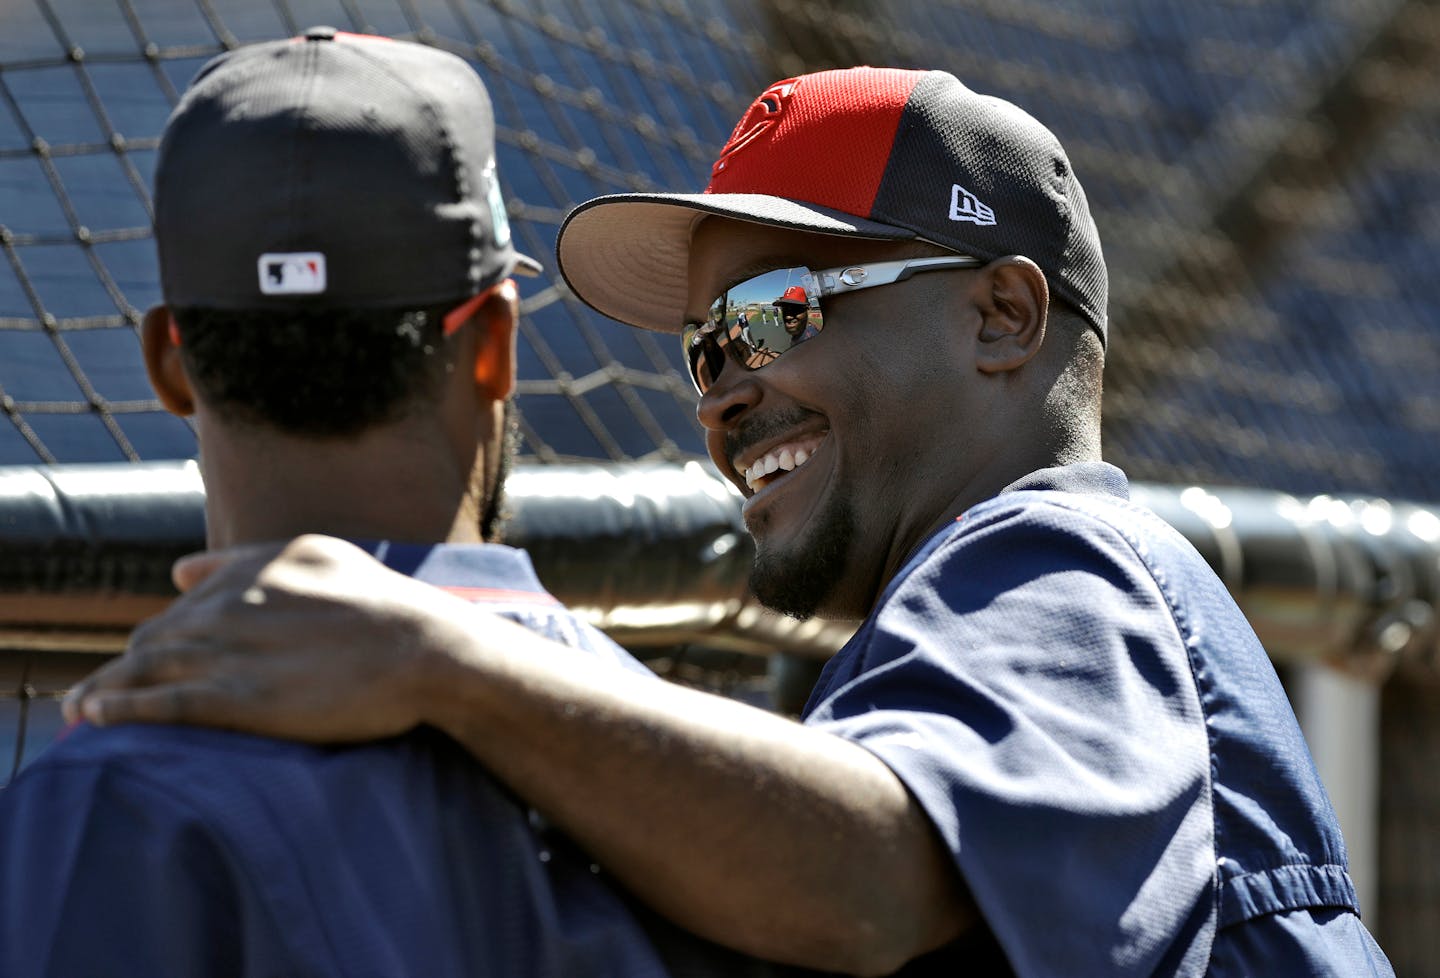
{"x": 312, "y": 639}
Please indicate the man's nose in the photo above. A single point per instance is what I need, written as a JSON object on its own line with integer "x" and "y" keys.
{"x": 725, "y": 402}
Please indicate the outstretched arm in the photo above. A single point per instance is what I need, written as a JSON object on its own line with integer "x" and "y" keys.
{"x": 749, "y": 829}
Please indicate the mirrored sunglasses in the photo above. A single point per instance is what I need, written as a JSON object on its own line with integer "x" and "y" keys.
{"x": 757, "y": 321}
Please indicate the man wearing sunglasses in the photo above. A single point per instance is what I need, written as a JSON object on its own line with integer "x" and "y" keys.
{"x": 1053, "y": 747}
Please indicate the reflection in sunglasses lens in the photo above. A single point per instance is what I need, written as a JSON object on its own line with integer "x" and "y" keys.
{"x": 754, "y": 323}
{"x": 764, "y": 317}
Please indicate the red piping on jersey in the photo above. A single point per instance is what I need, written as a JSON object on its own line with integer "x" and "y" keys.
{"x": 498, "y": 595}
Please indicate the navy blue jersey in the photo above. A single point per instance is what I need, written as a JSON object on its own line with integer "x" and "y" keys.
{"x": 1102, "y": 744}
{"x": 175, "y": 852}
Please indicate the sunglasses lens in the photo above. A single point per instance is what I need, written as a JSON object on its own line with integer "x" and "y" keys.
{"x": 754, "y": 322}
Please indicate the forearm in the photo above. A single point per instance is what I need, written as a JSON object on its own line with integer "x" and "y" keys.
{"x": 749, "y": 829}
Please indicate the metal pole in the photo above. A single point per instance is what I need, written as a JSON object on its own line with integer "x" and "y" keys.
{"x": 1340, "y": 717}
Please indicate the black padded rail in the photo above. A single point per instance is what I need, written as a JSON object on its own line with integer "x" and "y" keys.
{"x": 97, "y": 528}
{"x": 657, "y": 554}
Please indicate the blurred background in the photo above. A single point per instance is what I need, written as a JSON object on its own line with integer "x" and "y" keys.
{"x": 1263, "y": 173}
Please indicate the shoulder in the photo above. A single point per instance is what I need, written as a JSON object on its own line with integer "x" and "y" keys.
{"x": 1029, "y": 590}
{"x": 1082, "y": 515}
{"x": 220, "y": 777}
{"x": 1019, "y": 537}
{"x": 169, "y": 777}
{"x": 1025, "y": 678}
{"x": 138, "y": 747}
{"x": 502, "y": 579}
{"x": 1079, "y": 541}
{"x": 121, "y": 838}
{"x": 126, "y": 803}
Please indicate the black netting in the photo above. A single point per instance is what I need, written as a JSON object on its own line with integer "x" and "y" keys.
{"x": 1262, "y": 172}
{"x": 588, "y": 101}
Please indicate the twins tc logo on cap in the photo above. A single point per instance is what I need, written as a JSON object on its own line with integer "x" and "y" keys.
{"x": 293, "y": 273}
{"x": 762, "y": 116}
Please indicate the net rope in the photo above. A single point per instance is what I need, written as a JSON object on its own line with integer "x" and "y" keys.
{"x": 1258, "y": 169}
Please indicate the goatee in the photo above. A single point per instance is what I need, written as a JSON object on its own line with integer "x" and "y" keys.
{"x": 797, "y": 582}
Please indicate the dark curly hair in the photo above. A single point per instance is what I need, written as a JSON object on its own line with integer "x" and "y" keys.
{"x": 316, "y": 373}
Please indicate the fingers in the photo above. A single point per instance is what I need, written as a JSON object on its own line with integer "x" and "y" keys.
{"x": 241, "y": 566}
{"x": 185, "y": 702}
{"x": 170, "y": 665}
{"x": 194, "y": 569}
{"x": 230, "y": 640}
{"x": 318, "y": 554}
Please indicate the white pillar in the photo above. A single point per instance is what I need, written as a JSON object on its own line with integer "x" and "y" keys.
{"x": 1340, "y": 716}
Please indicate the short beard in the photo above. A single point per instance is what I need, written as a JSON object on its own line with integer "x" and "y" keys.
{"x": 493, "y": 513}
{"x": 797, "y": 584}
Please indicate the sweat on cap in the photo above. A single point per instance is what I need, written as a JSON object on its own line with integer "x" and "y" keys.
{"x": 869, "y": 152}
{"x": 335, "y": 171}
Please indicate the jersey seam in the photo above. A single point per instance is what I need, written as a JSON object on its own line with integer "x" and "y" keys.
{"x": 117, "y": 767}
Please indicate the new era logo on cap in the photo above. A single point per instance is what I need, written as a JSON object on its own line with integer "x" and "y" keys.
{"x": 295, "y": 273}
{"x": 965, "y": 206}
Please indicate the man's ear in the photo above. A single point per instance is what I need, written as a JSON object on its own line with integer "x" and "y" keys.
{"x": 495, "y": 323}
{"x": 160, "y": 341}
{"x": 1014, "y": 300}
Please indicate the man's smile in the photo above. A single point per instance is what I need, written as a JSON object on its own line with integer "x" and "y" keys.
{"x": 778, "y": 460}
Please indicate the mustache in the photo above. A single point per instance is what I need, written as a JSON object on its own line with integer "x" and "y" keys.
{"x": 754, "y": 430}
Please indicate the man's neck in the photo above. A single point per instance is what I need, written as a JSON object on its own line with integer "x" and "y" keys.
{"x": 392, "y": 486}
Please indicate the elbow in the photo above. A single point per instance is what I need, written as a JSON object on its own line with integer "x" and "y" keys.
{"x": 869, "y": 945}
{"x": 865, "y": 955}
{"x": 876, "y": 961}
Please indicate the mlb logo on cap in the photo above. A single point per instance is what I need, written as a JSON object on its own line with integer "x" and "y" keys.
{"x": 298, "y": 273}
{"x": 296, "y": 150}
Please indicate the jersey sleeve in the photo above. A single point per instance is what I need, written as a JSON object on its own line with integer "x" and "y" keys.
{"x": 1027, "y": 682}
{"x": 103, "y": 875}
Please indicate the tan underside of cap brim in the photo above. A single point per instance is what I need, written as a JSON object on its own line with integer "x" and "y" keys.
{"x": 627, "y": 255}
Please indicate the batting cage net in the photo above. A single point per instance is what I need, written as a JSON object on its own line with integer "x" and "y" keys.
{"x": 1262, "y": 172}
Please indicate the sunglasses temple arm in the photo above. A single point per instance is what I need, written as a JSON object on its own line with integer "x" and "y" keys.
{"x": 925, "y": 264}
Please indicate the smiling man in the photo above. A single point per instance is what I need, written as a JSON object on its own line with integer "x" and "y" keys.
{"x": 1053, "y": 747}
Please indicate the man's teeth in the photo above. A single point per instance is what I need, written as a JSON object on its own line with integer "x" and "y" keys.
{"x": 786, "y": 458}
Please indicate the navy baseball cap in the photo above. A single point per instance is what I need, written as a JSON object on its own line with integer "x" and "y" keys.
{"x": 870, "y": 152}
{"x": 331, "y": 170}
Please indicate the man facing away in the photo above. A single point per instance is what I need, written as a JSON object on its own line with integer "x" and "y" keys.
{"x": 1053, "y": 748}
{"x": 340, "y": 325}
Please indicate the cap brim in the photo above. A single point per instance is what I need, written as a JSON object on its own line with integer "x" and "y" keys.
{"x": 627, "y": 255}
{"x": 527, "y": 266}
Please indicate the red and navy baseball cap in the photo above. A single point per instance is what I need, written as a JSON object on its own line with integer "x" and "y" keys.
{"x": 794, "y": 296}
{"x": 870, "y": 152}
{"x": 331, "y": 170}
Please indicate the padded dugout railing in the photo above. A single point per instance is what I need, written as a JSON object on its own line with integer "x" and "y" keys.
{"x": 1339, "y": 590}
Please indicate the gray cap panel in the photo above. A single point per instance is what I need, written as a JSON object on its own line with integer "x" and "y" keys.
{"x": 339, "y": 170}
